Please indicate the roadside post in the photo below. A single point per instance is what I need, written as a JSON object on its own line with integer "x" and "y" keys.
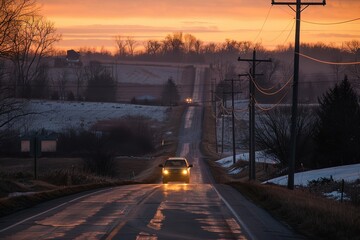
{"x": 35, "y": 150}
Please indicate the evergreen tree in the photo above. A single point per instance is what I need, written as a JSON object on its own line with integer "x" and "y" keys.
{"x": 337, "y": 133}
{"x": 101, "y": 85}
{"x": 170, "y": 94}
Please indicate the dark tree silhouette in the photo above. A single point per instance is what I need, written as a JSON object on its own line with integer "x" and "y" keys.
{"x": 273, "y": 134}
{"x": 337, "y": 132}
{"x": 101, "y": 85}
{"x": 170, "y": 94}
{"x": 40, "y": 86}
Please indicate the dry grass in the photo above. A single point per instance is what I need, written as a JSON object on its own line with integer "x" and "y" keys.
{"x": 208, "y": 147}
{"x": 311, "y": 215}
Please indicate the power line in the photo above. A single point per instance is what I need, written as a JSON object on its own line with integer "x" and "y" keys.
{"x": 292, "y": 28}
{"x": 275, "y": 105}
{"x": 327, "y": 62}
{"x": 271, "y": 93}
{"x": 333, "y": 23}
{"x": 262, "y": 27}
{"x": 282, "y": 31}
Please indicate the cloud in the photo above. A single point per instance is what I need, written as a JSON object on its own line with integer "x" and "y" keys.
{"x": 152, "y": 8}
{"x": 208, "y": 20}
{"x": 133, "y": 29}
{"x": 336, "y": 35}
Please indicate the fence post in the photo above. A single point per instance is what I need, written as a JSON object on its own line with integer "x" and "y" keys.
{"x": 342, "y": 190}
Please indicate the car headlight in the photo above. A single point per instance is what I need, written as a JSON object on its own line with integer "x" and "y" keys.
{"x": 184, "y": 172}
{"x": 166, "y": 172}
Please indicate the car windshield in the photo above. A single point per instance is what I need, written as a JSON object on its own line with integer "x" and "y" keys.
{"x": 175, "y": 163}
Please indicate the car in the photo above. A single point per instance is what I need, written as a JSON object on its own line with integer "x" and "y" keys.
{"x": 176, "y": 169}
{"x": 188, "y": 100}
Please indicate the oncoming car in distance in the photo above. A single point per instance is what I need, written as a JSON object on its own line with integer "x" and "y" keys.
{"x": 176, "y": 169}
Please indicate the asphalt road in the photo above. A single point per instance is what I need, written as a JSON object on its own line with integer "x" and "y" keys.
{"x": 199, "y": 210}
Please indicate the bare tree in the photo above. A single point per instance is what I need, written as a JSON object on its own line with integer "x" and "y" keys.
{"x": 175, "y": 42}
{"x": 211, "y": 48}
{"x": 131, "y": 43}
{"x": 32, "y": 43}
{"x": 25, "y": 40}
{"x": 337, "y": 70}
{"x": 80, "y": 75}
{"x": 121, "y": 44}
{"x": 189, "y": 43}
{"x": 12, "y": 14}
{"x": 61, "y": 84}
{"x": 198, "y": 46}
{"x": 273, "y": 134}
{"x": 230, "y": 46}
{"x": 353, "y": 47}
{"x": 268, "y": 72}
{"x": 223, "y": 68}
{"x": 152, "y": 47}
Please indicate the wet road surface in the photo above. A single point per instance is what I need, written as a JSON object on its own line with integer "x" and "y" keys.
{"x": 199, "y": 210}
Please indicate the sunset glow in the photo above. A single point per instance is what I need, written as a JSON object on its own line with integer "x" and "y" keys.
{"x": 94, "y": 23}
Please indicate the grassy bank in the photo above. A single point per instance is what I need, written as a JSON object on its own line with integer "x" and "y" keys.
{"x": 313, "y": 216}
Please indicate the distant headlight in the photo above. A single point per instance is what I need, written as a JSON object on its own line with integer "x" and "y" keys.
{"x": 184, "y": 172}
{"x": 166, "y": 172}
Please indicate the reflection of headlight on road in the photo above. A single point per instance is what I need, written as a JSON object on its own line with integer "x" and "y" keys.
{"x": 166, "y": 172}
{"x": 185, "y": 172}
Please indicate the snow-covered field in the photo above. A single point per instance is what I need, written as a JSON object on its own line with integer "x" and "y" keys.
{"x": 58, "y": 116}
{"x": 260, "y": 157}
{"x": 349, "y": 173}
{"x": 153, "y": 75}
{"x": 126, "y": 73}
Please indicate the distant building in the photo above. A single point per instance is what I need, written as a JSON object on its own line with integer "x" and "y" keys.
{"x": 73, "y": 58}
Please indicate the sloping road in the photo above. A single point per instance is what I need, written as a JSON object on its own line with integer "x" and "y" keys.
{"x": 199, "y": 210}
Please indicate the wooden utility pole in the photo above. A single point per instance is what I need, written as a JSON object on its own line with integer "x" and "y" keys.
{"x": 252, "y": 113}
{"x": 222, "y": 122}
{"x": 233, "y": 117}
{"x": 298, "y": 11}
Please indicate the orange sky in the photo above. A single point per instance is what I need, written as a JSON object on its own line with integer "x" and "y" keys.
{"x": 94, "y": 23}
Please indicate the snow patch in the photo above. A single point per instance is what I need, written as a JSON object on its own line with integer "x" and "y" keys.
{"x": 349, "y": 173}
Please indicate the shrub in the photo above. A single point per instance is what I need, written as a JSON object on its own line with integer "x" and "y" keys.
{"x": 100, "y": 162}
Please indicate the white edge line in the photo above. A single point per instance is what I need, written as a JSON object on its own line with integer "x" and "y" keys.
{"x": 242, "y": 224}
{"x": 49, "y": 210}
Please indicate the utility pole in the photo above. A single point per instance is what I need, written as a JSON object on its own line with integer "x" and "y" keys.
{"x": 233, "y": 116}
{"x": 214, "y": 110}
{"x": 298, "y": 11}
{"x": 252, "y": 112}
{"x": 222, "y": 122}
